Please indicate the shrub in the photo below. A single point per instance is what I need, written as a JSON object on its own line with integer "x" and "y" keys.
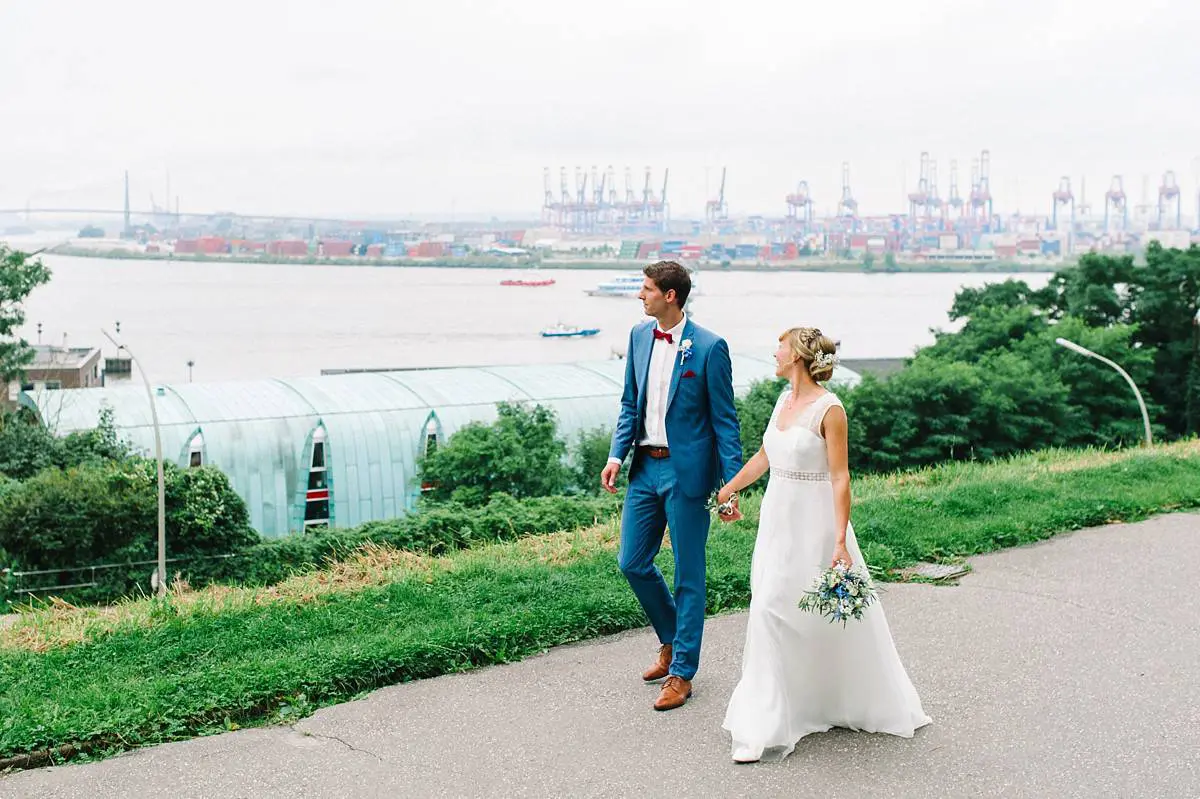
{"x": 27, "y": 447}
{"x": 107, "y": 513}
{"x": 437, "y": 529}
{"x": 518, "y": 455}
{"x": 754, "y": 413}
{"x": 588, "y": 458}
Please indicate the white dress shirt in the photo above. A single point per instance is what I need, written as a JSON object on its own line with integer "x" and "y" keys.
{"x": 658, "y": 387}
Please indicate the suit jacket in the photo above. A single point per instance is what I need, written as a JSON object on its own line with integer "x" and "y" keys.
{"x": 702, "y": 423}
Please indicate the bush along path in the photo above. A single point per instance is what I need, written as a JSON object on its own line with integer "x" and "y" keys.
{"x": 97, "y": 681}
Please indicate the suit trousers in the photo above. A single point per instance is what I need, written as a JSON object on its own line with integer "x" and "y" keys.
{"x": 654, "y": 502}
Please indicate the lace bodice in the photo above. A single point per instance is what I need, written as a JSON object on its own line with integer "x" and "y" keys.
{"x": 800, "y": 448}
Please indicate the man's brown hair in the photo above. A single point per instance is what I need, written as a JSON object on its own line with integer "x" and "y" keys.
{"x": 669, "y": 275}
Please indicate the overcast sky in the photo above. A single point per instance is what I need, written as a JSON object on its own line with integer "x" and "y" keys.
{"x": 421, "y": 106}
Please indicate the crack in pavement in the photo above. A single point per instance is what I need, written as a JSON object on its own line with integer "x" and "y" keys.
{"x": 344, "y": 743}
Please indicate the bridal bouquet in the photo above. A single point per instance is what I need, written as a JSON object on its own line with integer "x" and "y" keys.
{"x": 840, "y": 593}
{"x": 721, "y": 508}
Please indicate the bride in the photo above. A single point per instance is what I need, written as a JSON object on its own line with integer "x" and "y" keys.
{"x": 801, "y": 674}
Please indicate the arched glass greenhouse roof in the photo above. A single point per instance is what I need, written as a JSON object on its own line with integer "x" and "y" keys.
{"x": 260, "y": 432}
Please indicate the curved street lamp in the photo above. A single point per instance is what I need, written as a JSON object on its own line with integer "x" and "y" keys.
{"x": 161, "y": 573}
{"x": 1071, "y": 345}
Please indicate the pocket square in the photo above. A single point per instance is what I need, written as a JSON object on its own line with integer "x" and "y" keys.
{"x": 688, "y": 373}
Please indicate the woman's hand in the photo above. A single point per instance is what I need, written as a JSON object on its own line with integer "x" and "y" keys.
{"x": 725, "y": 495}
{"x": 840, "y": 554}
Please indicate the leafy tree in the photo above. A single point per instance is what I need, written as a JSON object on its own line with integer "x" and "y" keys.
{"x": 19, "y": 275}
{"x": 519, "y": 455}
{"x": 1011, "y": 293}
{"x": 936, "y": 410}
{"x": 1102, "y": 409}
{"x": 1164, "y": 301}
{"x": 988, "y": 328}
{"x": 1160, "y": 299}
{"x": 1095, "y": 290}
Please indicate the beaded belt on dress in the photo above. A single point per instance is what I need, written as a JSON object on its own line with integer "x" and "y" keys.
{"x": 791, "y": 474}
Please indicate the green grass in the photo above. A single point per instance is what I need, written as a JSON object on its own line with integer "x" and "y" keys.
{"x": 146, "y": 672}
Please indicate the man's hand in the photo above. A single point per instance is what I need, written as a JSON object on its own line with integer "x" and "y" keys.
{"x": 608, "y": 477}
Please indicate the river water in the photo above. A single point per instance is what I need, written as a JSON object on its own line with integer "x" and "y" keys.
{"x": 245, "y": 321}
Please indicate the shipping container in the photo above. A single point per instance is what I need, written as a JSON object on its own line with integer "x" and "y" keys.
{"x": 431, "y": 249}
{"x": 647, "y": 249}
{"x": 288, "y": 247}
{"x": 335, "y": 249}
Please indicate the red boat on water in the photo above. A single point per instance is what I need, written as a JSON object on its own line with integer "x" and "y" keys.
{"x": 546, "y": 282}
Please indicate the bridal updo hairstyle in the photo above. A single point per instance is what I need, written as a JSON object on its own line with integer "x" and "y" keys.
{"x": 813, "y": 348}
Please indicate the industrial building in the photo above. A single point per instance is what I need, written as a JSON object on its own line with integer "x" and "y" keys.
{"x": 343, "y": 449}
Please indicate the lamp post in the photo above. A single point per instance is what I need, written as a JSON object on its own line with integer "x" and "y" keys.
{"x": 1193, "y": 388}
{"x": 1071, "y": 345}
{"x": 161, "y": 573}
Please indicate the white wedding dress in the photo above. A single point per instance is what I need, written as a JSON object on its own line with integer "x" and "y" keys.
{"x": 800, "y": 673}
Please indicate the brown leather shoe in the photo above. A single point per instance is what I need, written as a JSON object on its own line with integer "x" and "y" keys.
{"x": 661, "y": 667}
{"x": 675, "y": 693}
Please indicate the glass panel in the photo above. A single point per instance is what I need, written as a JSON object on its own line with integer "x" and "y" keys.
{"x": 196, "y": 459}
{"x": 318, "y": 461}
{"x": 316, "y": 511}
{"x": 317, "y": 479}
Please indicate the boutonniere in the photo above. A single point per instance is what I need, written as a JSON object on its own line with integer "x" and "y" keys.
{"x": 685, "y": 349}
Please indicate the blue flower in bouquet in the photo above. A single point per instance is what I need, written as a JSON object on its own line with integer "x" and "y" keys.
{"x": 839, "y": 594}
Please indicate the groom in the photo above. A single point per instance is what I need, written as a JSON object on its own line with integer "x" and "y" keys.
{"x": 678, "y": 416}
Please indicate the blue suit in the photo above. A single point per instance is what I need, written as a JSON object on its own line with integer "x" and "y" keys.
{"x": 705, "y": 451}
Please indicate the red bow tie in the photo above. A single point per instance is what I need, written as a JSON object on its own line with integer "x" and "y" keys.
{"x": 663, "y": 335}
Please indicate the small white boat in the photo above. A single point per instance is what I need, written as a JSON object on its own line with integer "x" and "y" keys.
{"x": 620, "y": 286}
{"x": 569, "y": 331}
{"x": 626, "y": 286}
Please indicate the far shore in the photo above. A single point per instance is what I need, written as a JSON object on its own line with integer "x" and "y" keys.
{"x": 813, "y": 264}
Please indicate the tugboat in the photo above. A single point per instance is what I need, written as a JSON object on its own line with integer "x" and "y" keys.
{"x": 568, "y": 331}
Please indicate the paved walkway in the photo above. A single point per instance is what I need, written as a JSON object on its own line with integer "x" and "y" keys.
{"x": 1045, "y": 673}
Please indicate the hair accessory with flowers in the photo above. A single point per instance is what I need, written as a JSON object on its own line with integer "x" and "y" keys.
{"x": 824, "y": 360}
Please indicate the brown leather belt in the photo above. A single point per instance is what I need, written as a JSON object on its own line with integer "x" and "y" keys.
{"x": 658, "y": 453}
